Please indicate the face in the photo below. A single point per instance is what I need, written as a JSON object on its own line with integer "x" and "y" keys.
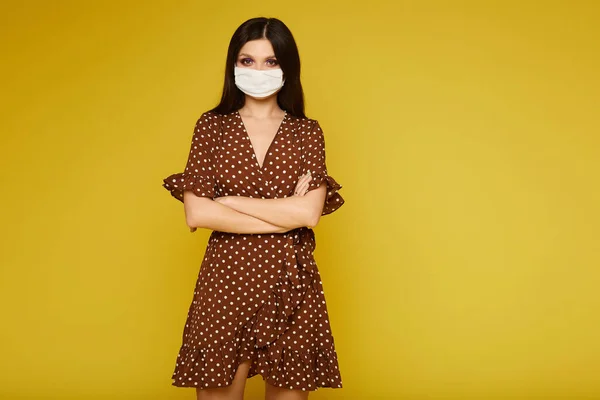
{"x": 257, "y": 54}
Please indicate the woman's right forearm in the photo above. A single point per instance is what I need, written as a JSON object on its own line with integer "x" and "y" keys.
{"x": 229, "y": 220}
{"x": 209, "y": 214}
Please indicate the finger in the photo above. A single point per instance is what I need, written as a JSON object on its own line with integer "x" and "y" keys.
{"x": 306, "y": 184}
{"x": 305, "y": 179}
{"x": 306, "y": 176}
{"x": 300, "y": 189}
{"x": 303, "y": 189}
{"x": 300, "y": 182}
{"x": 303, "y": 184}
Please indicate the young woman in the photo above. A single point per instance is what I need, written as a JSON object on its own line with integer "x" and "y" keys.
{"x": 256, "y": 176}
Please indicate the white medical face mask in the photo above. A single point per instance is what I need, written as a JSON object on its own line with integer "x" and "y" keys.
{"x": 258, "y": 83}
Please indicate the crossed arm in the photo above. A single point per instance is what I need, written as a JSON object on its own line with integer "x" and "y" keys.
{"x": 238, "y": 214}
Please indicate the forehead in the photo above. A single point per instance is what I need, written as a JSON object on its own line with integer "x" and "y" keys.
{"x": 260, "y": 48}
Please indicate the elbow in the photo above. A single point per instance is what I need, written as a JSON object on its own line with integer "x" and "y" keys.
{"x": 195, "y": 219}
{"x": 190, "y": 222}
{"x": 313, "y": 220}
{"x": 197, "y": 210}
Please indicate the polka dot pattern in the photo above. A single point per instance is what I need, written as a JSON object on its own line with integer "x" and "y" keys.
{"x": 258, "y": 297}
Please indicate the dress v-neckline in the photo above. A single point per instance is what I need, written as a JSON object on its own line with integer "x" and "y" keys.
{"x": 255, "y": 156}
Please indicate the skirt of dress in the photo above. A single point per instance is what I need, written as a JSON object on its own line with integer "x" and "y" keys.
{"x": 259, "y": 297}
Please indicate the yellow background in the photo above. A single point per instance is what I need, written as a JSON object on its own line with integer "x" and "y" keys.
{"x": 464, "y": 264}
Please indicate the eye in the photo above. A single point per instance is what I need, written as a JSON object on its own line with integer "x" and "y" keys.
{"x": 245, "y": 61}
{"x": 272, "y": 62}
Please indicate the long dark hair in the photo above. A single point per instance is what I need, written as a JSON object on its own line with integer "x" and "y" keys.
{"x": 291, "y": 97}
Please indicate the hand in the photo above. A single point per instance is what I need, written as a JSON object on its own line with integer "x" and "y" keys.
{"x": 302, "y": 185}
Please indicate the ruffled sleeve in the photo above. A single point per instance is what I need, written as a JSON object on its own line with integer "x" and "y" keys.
{"x": 198, "y": 175}
{"x": 314, "y": 160}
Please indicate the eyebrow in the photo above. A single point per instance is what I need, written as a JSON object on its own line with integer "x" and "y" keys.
{"x": 248, "y": 55}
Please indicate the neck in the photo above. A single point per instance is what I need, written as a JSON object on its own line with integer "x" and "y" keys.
{"x": 261, "y": 108}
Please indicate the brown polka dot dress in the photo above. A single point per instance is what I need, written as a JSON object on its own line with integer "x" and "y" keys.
{"x": 258, "y": 297}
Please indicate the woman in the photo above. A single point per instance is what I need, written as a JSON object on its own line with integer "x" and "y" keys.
{"x": 256, "y": 175}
